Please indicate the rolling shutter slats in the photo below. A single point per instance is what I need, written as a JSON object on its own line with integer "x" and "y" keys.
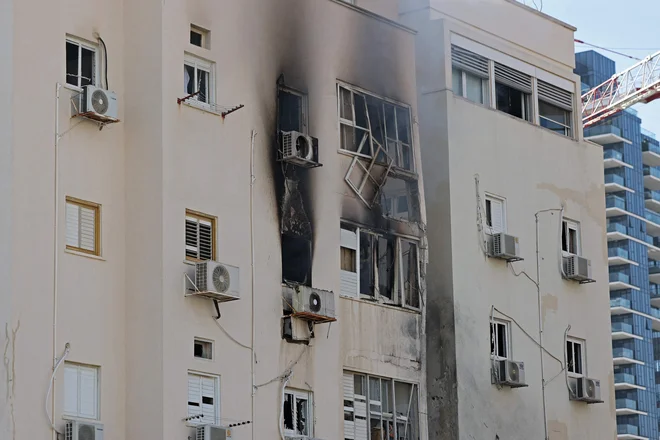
{"x": 467, "y": 60}
{"x": 513, "y": 78}
{"x": 555, "y": 95}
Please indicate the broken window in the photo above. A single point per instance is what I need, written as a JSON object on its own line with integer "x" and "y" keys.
{"x": 292, "y": 110}
{"x": 297, "y": 259}
{"x": 499, "y": 340}
{"x": 297, "y": 413}
{"x": 379, "y": 409}
{"x": 387, "y": 270}
{"x": 399, "y": 199}
{"x": 375, "y": 128}
{"x": 570, "y": 237}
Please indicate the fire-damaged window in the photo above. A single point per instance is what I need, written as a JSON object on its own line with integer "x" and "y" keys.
{"x": 399, "y": 199}
{"x": 292, "y": 110}
{"x": 379, "y": 266}
{"x": 297, "y": 413}
{"x": 371, "y": 126}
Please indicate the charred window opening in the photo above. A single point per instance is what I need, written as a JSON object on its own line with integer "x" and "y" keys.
{"x": 399, "y": 199}
{"x": 293, "y": 194}
{"x": 297, "y": 413}
{"x": 387, "y": 270}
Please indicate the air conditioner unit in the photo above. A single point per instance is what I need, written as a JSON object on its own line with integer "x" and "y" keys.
{"x": 211, "y": 432}
{"x": 300, "y": 149}
{"x": 510, "y": 373}
{"x": 217, "y": 281}
{"x": 99, "y": 104}
{"x": 585, "y": 389}
{"x": 320, "y": 303}
{"x": 504, "y": 246}
{"x": 577, "y": 268}
{"x": 295, "y": 329}
{"x": 77, "y": 430}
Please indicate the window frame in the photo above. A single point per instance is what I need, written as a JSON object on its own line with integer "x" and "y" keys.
{"x": 297, "y": 394}
{"x": 199, "y": 63}
{"x": 96, "y": 207}
{"x": 494, "y": 338}
{"x": 527, "y": 103}
{"x": 304, "y": 106}
{"x": 216, "y": 398}
{"x": 204, "y": 33}
{"x": 97, "y": 390}
{"x": 488, "y": 211}
{"x": 398, "y": 156}
{"x": 81, "y": 43}
{"x": 211, "y": 345}
{"x": 568, "y": 129}
{"x": 198, "y": 217}
{"x": 569, "y": 225}
{"x": 398, "y": 289}
{"x": 485, "y": 86}
{"x": 583, "y": 357}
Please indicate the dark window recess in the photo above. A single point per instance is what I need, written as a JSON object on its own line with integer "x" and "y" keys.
{"x": 288, "y": 412}
{"x": 385, "y": 267}
{"x": 366, "y": 264}
{"x": 79, "y": 65}
{"x": 207, "y": 400}
{"x": 290, "y": 111}
{"x": 297, "y": 259}
{"x": 203, "y": 349}
{"x": 489, "y": 214}
{"x": 193, "y": 403}
{"x": 195, "y": 38}
{"x": 512, "y": 101}
{"x": 410, "y": 266}
{"x": 189, "y": 72}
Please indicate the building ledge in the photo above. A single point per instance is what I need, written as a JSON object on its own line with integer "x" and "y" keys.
{"x": 607, "y": 138}
{"x": 620, "y": 285}
{"x": 626, "y": 361}
{"x": 544, "y": 15}
{"x": 650, "y": 158}
{"x": 615, "y": 163}
{"x": 628, "y": 386}
{"x": 625, "y": 335}
{"x": 615, "y": 187}
{"x": 629, "y": 412}
{"x": 630, "y": 437}
{"x": 617, "y": 261}
{"x": 375, "y": 16}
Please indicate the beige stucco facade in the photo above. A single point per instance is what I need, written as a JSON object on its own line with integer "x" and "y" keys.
{"x": 470, "y": 149}
{"x": 124, "y": 311}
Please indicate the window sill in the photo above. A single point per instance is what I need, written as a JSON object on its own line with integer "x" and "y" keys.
{"x": 206, "y": 108}
{"x": 84, "y": 254}
{"x": 73, "y": 88}
{"x": 384, "y": 305}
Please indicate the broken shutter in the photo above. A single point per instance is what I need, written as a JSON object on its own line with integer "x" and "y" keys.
{"x": 513, "y": 78}
{"x": 349, "y": 275}
{"x": 470, "y": 61}
{"x": 496, "y": 216}
{"x": 202, "y": 398}
{"x": 555, "y": 95}
{"x": 355, "y": 411}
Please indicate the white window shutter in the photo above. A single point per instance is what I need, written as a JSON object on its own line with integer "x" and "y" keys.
{"x": 496, "y": 215}
{"x": 205, "y": 240}
{"x": 192, "y": 247}
{"x": 194, "y": 396}
{"x": 72, "y": 222}
{"x": 70, "y": 390}
{"x": 87, "y": 229}
{"x": 88, "y": 393}
{"x": 208, "y": 396}
{"x": 349, "y": 280}
{"x": 349, "y": 396}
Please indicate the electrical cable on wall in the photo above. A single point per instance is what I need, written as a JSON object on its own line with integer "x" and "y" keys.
{"x": 230, "y": 336}
{"x": 67, "y": 348}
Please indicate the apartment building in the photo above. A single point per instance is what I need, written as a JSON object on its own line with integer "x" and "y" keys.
{"x": 517, "y": 315}
{"x": 632, "y": 180}
{"x": 213, "y": 215}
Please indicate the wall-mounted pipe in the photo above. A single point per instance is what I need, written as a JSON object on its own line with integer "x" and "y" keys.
{"x": 56, "y": 214}
{"x": 252, "y": 354}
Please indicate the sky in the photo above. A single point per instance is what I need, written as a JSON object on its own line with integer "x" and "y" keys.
{"x": 629, "y": 26}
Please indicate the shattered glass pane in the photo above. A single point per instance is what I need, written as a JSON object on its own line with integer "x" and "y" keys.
{"x": 202, "y": 86}
{"x": 406, "y": 157}
{"x": 297, "y": 259}
{"x": 288, "y": 412}
{"x": 346, "y": 107}
{"x": 377, "y": 119}
{"x": 290, "y": 111}
{"x": 390, "y": 121}
{"x": 347, "y": 140}
{"x": 398, "y": 199}
{"x": 86, "y": 67}
{"x": 403, "y": 123}
{"x": 366, "y": 264}
{"x": 386, "y": 267}
{"x": 301, "y": 419}
{"x": 409, "y": 273}
{"x": 361, "y": 111}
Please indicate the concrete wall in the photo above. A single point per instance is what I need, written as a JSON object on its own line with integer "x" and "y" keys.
{"x": 534, "y": 170}
{"x": 126, "y": 311}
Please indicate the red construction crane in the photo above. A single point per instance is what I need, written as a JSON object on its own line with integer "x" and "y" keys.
{"x": 638, "y": 84}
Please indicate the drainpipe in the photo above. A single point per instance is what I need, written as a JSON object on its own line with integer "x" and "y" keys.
{"x": 55, "y": 241}
{"x": 252, "y": 355}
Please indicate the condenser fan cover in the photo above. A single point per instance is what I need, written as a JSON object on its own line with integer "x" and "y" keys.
{"x": 314, "y": 302}
{"x": 100, "y": 102}
{"x": 221, "y": 279}
{"x": 86, "y": 432}
{"x": 513, "y": 372}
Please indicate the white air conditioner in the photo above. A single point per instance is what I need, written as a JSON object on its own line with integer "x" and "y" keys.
{"x": 300, "y": 149}
{"x": 504, "y": 246}
{"x": 211, "y": 432}
{"x": 317, "y": 302}
{"x": 585, "y": 389}
{"x": 99, "y": 104}
{"x": 577, "y": 268}
{"x": 295, "y": 329}
{"x": 78, "y": 430}
{"x": 510, "y": 373}
{"x": 217, "y": 281}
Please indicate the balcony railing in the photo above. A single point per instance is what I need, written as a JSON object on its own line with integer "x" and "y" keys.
{"x": 619, "y": 277}
{"x": 617, "y": 227}
{"x": 602, "y": 129}
{"x": 620, "y": 302}
{"x": 624, "y": 378}
{"x": 613, "y": 201}
{"x": 652, "y": 216}
{"x": 613, "y": 154}
{"x": 652, "y": 195}
{"x": 614, "y": 178}
{"x": 648, "y": 146}
{"x": 621, "y": 352}
{"x": 617, "y": 252}
{"x": 627, "y": 429}
{"x": 652, "y": 171}
{"x": 626, "y": 403}
{"x": 655, "y": 312}
{"x": 622, "y": 327}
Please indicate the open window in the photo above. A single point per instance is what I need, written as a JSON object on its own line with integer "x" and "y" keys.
{"x": 81, "y": 62}
{"x": 575, "y": 364}
{"x": 513, "y": 91}
{"x": 570, "y": 237}
{"x": 470, "y": 75}
{"x": 293, "y": 107}
{"x": 555, "y": 108}
{"x": 495, "y": 214}
{"x": 200, "y": 37}
{"x": 198, "y": 80}
{"x": 500, "y": 340}
{"x": 297, "y": 414}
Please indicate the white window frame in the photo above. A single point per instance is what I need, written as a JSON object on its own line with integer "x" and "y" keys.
{"x": 80, "y": 369}
{"x": 583, "y": 357}
{"x": 398, "y": 294}
{"x": 216, "y": 398}
{"x": 495, "y": 323}
{"x": 95, "y": 71}
{"x": 372, "y": 146}
{"x": 204, "y": 34}
{"x": 571, "y": 225}
{"x": 568, "y": 129}
{"x": 207, "y": 66}
{"x": 527, "y": 102}
{"x": 304, "y": 106}
{"x": 299, "y": 395}
{"x": 211, "y": 349}
{"x": 485, "y": 86}
{"x": 488, "y": 201}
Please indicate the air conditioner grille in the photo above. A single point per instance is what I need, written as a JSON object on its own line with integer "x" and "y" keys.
{"x": 100, "y": 102}
{"x": 86, "y": 432}
{"x": 201, "y": 277}
{"x": 497, "y": 245}
{"x": 315, "y": 302}
{"x": 221, "y": 279}
{"x": 68, "y": 431}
